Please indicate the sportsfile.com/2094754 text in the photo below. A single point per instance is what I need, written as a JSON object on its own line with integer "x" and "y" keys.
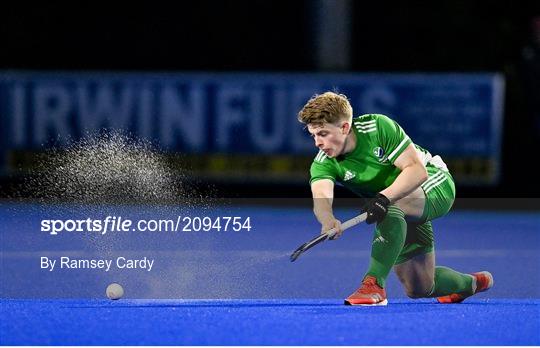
{"x": 120, "y": 224}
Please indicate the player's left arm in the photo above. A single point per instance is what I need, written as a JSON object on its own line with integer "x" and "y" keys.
{"x": 403, "y": 155}
{"x": 413, "y": 174}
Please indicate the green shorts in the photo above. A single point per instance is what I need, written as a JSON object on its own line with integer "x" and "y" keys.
{"x": 440, "y": 193}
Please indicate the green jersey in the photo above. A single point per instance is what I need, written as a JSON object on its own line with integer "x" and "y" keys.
{"x": 369, "y": 168}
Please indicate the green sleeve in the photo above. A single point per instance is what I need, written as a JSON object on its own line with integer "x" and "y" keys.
{"x": 392, "y": 137}
{"x": 322, "y": 170}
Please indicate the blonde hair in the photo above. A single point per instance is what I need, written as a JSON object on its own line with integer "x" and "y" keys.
{"x": 328, "y": 107}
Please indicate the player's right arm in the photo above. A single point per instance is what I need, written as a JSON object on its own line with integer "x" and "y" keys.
{"x": 323, "y": 195}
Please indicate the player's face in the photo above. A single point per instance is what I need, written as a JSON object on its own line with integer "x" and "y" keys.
{"x": 329, "y": 137}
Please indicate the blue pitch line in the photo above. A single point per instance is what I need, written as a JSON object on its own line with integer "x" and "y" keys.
{"x": 269, "y": 322}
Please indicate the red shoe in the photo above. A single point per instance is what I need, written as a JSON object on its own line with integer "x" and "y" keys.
{"x": 369, "y": 294}
{"x": 484, "y": 282}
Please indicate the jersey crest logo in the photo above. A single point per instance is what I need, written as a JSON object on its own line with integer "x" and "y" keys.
{"x": 348, "y": 175}
{"x": 379, "y": 153}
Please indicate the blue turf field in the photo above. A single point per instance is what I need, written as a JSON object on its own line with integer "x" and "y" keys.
{"x": 225, "y": 288}
{"x": 269, "y": 322}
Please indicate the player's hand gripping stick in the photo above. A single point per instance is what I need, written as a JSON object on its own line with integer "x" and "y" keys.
{"x": 325, "y": 236}
{"x": 376, "y": 208}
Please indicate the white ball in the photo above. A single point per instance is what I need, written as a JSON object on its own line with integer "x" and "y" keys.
{"x": 114, "y": 291}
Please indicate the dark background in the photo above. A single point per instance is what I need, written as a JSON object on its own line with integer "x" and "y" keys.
{"x": 442, "y": 36}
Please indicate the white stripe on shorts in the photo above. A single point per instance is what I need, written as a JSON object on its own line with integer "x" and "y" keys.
{"x": 431, "y": 180}
{"x": 436, "y": 183}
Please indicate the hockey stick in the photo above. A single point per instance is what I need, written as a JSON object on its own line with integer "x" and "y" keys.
{"x": 331, "y": 233}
